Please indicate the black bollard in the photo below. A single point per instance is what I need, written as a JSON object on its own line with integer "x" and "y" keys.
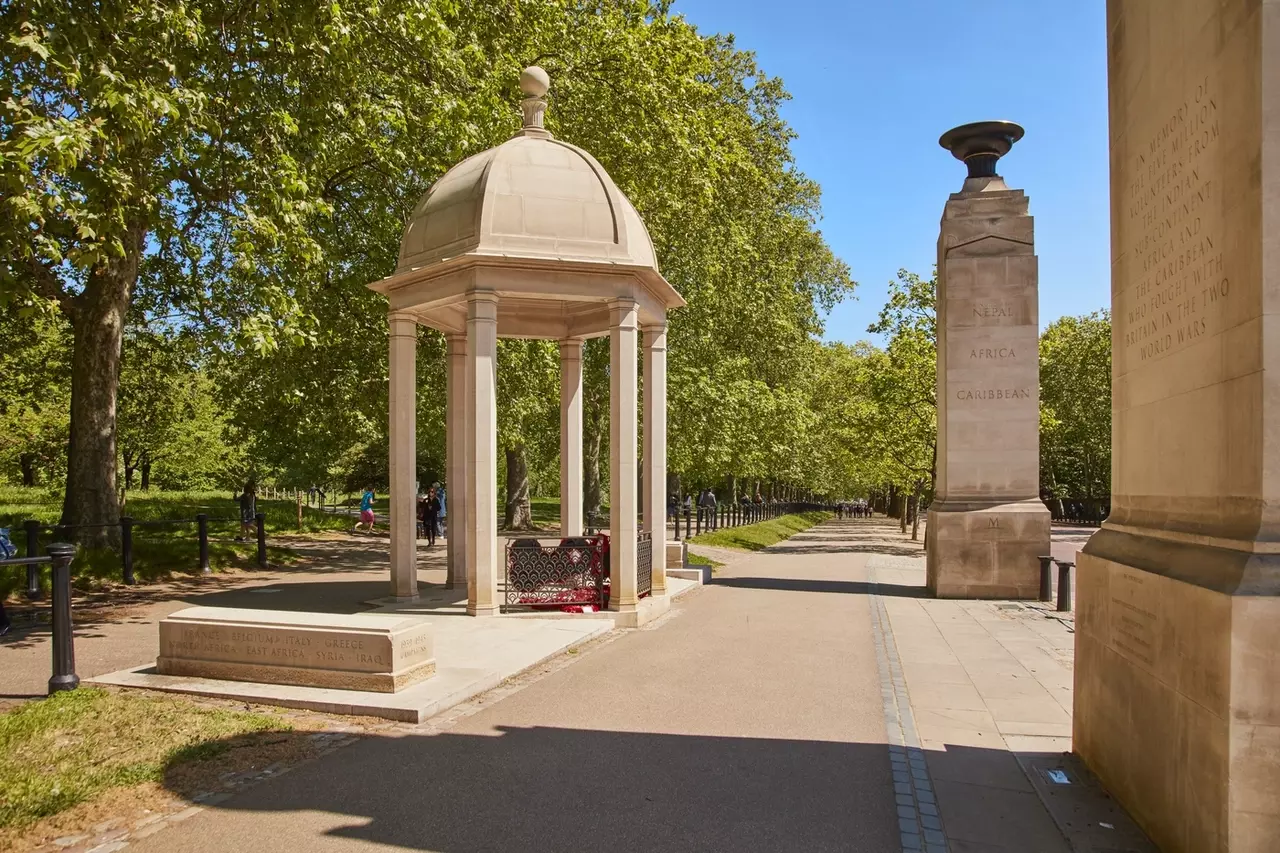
{"x": 32, "y": 527}
{"x": 260, "y": 520}
{"x": 676, "y": 516}
{"x": 1046, "y": 578}
{"x": 126, "y": 547}
{"x": 698, "y": 523}
{"x": 687, "y": 528}
{"x": 1064, "y": 585}
{"x": 64, "y": 645}
{"x": 202, "y": 530}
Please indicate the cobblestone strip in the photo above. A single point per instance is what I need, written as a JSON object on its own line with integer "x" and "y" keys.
{"x": 919, "y": 822}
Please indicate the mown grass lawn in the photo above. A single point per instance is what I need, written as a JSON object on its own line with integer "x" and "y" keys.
{"x": 66, "y": 751}
{"x": 753, "y": 537}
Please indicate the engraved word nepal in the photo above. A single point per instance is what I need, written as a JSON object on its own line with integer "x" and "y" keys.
{"x": 994, "y": 394}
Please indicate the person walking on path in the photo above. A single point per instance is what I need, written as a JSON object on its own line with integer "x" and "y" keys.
{"x": 439, "y": 490}
{"x": 444, "y": 510}
{"x": 707, "y": 503}
{"x": 7, "y": 551}
{"x": 248, "y": 508}
{"x": 431, "y": 515}
{"x": 366, "y": 510}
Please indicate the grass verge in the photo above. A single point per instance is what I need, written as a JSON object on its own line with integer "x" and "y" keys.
{"x": 753, "y": 537}
{"x": 162, "y": 551}
{"x": 64, "y": 753}
{"x": 699, "y": 560}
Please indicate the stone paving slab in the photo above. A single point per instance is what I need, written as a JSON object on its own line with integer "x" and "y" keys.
{"x": 990, "y": 693}
{"x": 473, "y": 655}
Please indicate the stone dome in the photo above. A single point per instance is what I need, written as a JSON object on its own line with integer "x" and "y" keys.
{"x": 532, "y": 196}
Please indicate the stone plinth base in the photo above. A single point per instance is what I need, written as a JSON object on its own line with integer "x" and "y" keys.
{"x": 986, "y": 550}
{"x": 675, "y": 555}
{"x": 365, "y": 651}
{"x": 646, "y": 610}
{"x": 699, "y": 574}
{"x": 1177, "y": 693}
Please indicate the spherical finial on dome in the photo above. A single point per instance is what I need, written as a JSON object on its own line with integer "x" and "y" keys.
{"x": 534, "y": 81}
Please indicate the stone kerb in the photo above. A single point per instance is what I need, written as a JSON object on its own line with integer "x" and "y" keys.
{"x": 366, "y": 651}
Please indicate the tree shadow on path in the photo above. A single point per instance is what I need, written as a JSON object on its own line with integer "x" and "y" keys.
{"x": 569, "y": 791}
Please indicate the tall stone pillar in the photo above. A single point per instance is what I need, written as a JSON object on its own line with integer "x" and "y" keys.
{"x": 1177, "y": 669}
{"x": 571, "y": 437}
{"x": 623, "y": 415}
{"x": 482, "y": 444}
{"x": 402, "y": 438}
{"x": 987, "y": 525}
{"x": 456, "y": 462}
{"x": 655, "y": 450}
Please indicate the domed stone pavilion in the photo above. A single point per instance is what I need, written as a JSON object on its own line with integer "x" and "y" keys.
{"x": 531, "y": 239}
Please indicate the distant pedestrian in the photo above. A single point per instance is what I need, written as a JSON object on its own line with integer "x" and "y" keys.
{"x": 431, "y": 515}
{"x": 366, "y": 510}
{"x": 248, "y": 500}
{"x": 444, "y": 510}
{"x": 439, "y": 491}
{"x": 7, "y": 552}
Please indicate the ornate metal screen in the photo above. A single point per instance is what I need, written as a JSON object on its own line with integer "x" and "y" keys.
{"x": 644, "y": 564}
{"x": 570, "y": 573}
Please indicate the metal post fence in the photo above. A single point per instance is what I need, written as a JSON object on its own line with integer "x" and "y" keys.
{"x": 32, "y": 528}
{"x": 64, "y": 651}
{"x": 202, "y": 527}
{"x": 126, "y": 548}
{"x": 1064, "y": 585}
{"x": 687, "y": 528}
{"x": 1046, "y": 578}
{"x": 260, "y": 520}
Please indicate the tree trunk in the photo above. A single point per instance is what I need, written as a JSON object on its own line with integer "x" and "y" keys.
{"x": 519, "y": 515}
{"x": 97, "y": 322}
{"x": 915, "y": 512}
{"x": 28, "y": 463}
{"x": 146, "y": 474}
{"x": 591, "y": 469}
{"x": 128, "y": 472}
{"x": 894, "y": 507}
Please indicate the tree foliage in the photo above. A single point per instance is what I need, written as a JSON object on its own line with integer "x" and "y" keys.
{"x": 1075, "y": 407}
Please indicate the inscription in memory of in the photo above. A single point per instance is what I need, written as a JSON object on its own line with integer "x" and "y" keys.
{"x": 1174, "y": 231}
{"x": 1132, "y": 625}
{"x": 280, "y": 649}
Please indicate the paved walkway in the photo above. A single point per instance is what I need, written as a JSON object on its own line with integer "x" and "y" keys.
{"x": 811, "y": 698}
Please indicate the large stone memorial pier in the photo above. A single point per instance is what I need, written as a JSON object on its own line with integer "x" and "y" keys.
{"x": 1177, "y": 676}
{"x": 987, "y": 526}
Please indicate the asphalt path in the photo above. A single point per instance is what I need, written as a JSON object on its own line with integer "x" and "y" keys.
{"x": 750, "y": 719}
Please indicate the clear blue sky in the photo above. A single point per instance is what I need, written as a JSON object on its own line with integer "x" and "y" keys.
{"x": 875, "y": 83}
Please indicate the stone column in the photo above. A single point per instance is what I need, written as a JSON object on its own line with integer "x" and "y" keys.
{"x": 655, "y": 449}
{"x": 402, "y": 465}
{"x": 571, "y": 437}
{"x": 1177, "y": 670}
{"x": 456, "y": 463}
{"x": 987, "y": 525}
{"x": 482, "y": 444}
{"x": 622, "y": 456}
